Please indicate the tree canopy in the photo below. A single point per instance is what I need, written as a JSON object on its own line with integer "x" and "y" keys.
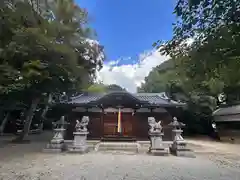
{"x": 160, "y": 78}
{"x": 205, "y": 54}
{"x": 205, "y": 44}
{"x": 102, "y": 88}
{"x": 46, "y": 47}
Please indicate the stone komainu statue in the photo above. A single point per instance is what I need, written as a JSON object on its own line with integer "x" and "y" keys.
{"x": 154, "y": 126}
{"x": 82, "y": 126}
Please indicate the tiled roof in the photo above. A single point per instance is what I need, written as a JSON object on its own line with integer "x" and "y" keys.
{"x": 83, "y": 99}
{"x": 151, "y": 98}
{"x": 227, "y": 111}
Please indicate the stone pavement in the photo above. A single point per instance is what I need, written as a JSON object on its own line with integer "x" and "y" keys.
{"x": 114, "y": 166}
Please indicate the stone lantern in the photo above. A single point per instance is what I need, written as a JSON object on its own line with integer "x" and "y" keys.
{"x": 179, "y": 145}
{"x": 57, "y": 142}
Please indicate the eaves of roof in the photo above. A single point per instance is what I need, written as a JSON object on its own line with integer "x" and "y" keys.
{"x": 151, "y": 99}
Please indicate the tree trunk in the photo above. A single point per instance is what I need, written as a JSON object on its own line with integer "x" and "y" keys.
{"x": 28, "y": 121}
{"x": 4, "y": 122}
{"x": 43, "y": 115}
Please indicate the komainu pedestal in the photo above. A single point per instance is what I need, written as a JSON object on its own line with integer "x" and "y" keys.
{"x": 155, "y": 133}
{"x": 179, "y": 146}
{"x": 80, "y": 136}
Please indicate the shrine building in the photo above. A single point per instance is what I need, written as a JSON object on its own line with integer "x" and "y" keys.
{"x": 120, "y": 115}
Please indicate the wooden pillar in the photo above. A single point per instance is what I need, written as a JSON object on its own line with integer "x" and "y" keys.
{"x": 134, "y": 123}
{"x": 102, "y": 122}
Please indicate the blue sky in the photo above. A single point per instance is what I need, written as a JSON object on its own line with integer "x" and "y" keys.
{"x": 127, "y": 29}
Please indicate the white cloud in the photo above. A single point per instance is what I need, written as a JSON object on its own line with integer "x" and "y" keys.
{"x": 130, "y": 76}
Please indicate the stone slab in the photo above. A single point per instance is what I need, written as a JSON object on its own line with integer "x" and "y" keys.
{"x": 119, "y": 146}
{"x": 54, "y": 146}
{"x": 46, "y": 150}
{"x": 57, "y": 141}
{"x": 78, "y": 150}
{"x": 159, "y": 152}
{"x": 180, "y": 147}
{"x": 185, "y": 153}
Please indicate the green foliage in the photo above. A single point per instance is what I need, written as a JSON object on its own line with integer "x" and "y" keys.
{"x": 45, "y": 48}
{"x": 47, "y": 53}
{"x": 101, "y": 88}
{"x": 167, "y": 78}
{"x": 97, "y": 88}
{"x": 114, "y": 87}
{"x": 163, "y": 78}
{"x": 206, "y": 44}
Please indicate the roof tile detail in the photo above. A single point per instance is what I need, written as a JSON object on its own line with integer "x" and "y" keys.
{"x": 151, "y": 98}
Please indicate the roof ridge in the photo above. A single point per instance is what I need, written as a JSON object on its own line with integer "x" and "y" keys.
{"x": 150, "y": 98}
{"x": 164, "y": 96}
{"x": 75, "y": 97}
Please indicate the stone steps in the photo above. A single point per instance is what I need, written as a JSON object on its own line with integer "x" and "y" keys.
{"x": 117, "y": 146}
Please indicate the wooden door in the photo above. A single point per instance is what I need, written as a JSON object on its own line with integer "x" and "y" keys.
{"x": 127, "y": 124}
{"x": 110, "y": 124}
{"x": 95, "y": 132}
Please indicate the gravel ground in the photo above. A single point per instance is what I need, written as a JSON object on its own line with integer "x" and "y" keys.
{"x": 27, "y": 162}
{"x": 103, "y": 166}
